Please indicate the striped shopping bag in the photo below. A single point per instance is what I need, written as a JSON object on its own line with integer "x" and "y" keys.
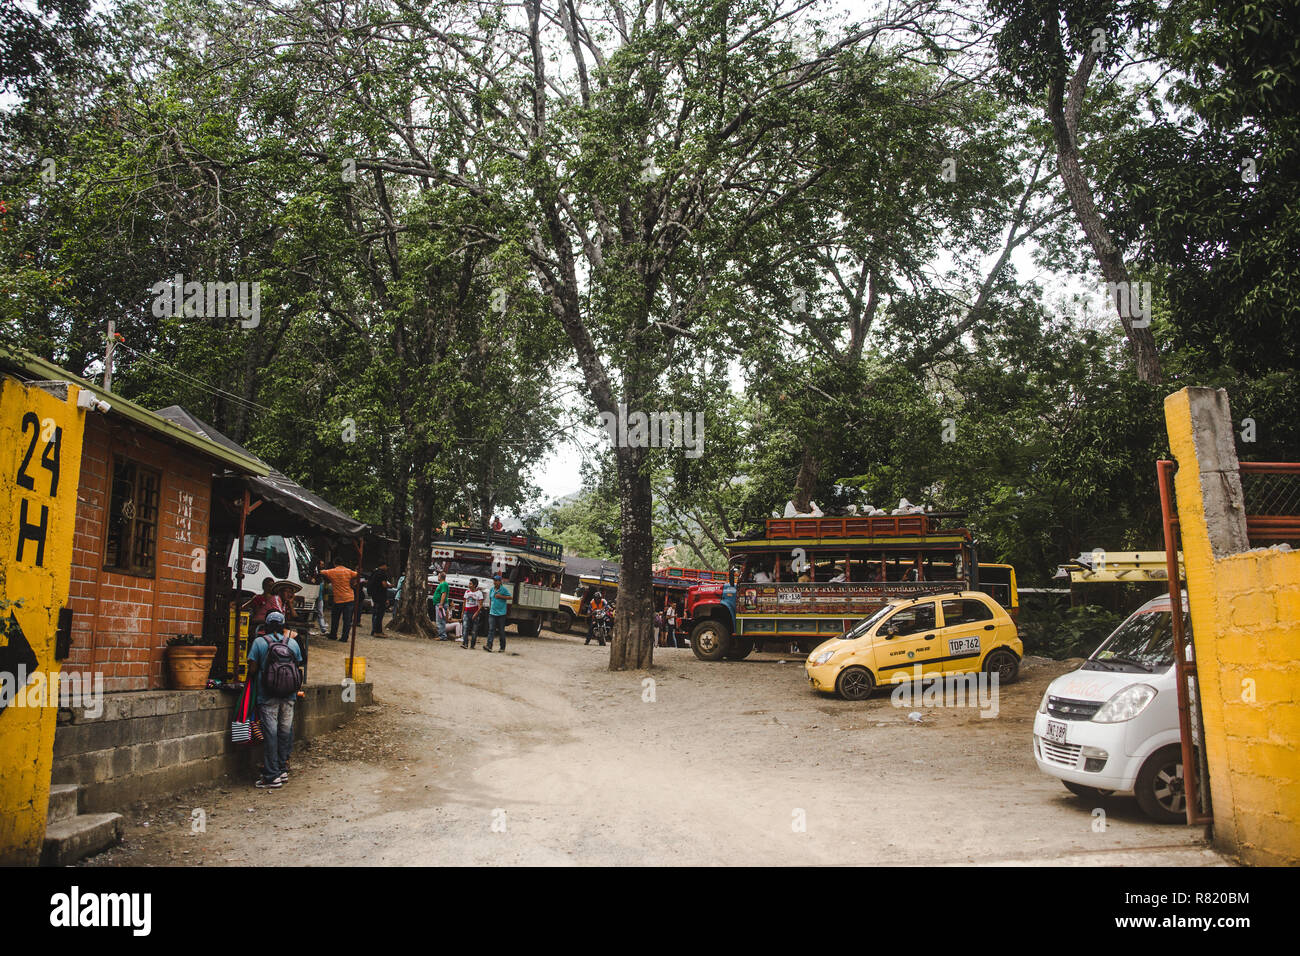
{"x": 241, "y": 729}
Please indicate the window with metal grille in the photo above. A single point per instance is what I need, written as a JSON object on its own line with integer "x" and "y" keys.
{"x": 132, "y": 540}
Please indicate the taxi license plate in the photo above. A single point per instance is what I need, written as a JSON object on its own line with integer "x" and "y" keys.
{"x": 1055, "y": 731}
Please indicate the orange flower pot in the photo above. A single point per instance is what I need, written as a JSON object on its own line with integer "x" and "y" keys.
{"x": 189, "y": 666}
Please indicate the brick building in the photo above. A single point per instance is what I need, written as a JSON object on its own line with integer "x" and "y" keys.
{"x": 102, "y": 570}
{"x": 139, "y": 564}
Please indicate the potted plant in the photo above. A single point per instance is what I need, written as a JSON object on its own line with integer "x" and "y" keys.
{"x": 189, "y": 659}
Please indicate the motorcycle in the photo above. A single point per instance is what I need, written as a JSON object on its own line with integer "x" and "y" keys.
{"x": 602, "y": 625}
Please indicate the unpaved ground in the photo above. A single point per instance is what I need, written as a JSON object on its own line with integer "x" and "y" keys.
{"x": 542, "y": 756}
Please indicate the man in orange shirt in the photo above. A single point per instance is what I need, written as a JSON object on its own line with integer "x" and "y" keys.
{"x": 341, "y": 579}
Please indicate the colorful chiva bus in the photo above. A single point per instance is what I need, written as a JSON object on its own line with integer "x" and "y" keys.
{"x": 802, "y": 580}
{"x": 532, "y": 567}
{"x": 669, "y": 584}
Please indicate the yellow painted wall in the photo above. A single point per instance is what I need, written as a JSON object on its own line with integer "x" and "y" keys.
{"x": 32, "y": 420}
{"x": 1245, "y": 611}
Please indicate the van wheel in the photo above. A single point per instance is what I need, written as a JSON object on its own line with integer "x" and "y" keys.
{"x": 1004, "y": 663}
{"x": 1159, "y": 788}
{"x": 1091, "y": 793}
{"x": 741, "y": 647}
{"x": 529, "y": 628}
{"x": 562, "y": 621}
{"x": 710, "y": 640}
{"x": 855, "y": 683}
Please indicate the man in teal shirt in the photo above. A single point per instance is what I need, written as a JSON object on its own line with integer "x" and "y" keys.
{"x": 500, "y": 595}
{"x": 440, "y": 605}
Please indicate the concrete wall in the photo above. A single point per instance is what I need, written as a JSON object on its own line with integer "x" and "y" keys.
{"x": 147, "y": 745}
{"x": 1245, "y": 607}
{"x": 123, "y": 621}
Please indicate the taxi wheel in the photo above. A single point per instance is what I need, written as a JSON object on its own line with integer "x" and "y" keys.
{"x": 741, "y": 647}
{"x": 1159, "y": 788}
{"x": 855, "y": 683}
{"x": 1004, "y": 663}
{"x": 1079, "y": 790}
{"x": 710, "y": 640}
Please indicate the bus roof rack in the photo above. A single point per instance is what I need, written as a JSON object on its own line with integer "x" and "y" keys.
{"x": 519, "y": 540}
{"x": 690, "y": 574}
{"x": 859, "y": 526}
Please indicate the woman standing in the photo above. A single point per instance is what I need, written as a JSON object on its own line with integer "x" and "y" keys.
{"x": 470, "y": 614}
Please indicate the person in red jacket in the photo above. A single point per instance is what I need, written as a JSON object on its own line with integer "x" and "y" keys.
{"x": 263, "y": 604}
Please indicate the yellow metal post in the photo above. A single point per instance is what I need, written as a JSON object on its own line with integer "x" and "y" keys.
{"x": 40, "y": 467}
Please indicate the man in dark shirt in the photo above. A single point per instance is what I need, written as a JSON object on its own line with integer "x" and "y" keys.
{"x": 378, "y": 587}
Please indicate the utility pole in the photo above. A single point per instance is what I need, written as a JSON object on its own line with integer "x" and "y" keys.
{"x": 108, "y": 356}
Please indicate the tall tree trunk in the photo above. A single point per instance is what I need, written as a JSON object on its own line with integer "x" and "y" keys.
{"x": 632, "y": 647}
{"x": 1064, "y": 116}
{"x": 412, "y": 611}
{"x": 402, "y": 471}
{"x": 806, "y": 482}
{"x": 238, "y": 428}
{"x": 487, "y": 483}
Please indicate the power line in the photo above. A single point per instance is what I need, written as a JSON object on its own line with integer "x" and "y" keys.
{"x": 198, "y": 383}
{"x": 251, "y": 405}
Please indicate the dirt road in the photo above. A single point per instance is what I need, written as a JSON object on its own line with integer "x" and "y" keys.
{"x": 542, "y": 756}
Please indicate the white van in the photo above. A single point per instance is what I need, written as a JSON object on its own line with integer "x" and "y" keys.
{"x": 1112, "y": 725}
{"x": 279, "y": 557}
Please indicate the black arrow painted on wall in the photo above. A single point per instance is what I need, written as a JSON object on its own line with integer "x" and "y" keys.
{"x": 15, "y": 655}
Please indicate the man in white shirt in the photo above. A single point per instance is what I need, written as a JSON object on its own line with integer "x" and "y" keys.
{"x": 761, "y": 576}
{"x": 470, "y": 615}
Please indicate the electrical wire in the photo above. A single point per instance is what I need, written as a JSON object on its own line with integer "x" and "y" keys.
{"x": 198, "y": 383}
{"x": 250, "y": 405}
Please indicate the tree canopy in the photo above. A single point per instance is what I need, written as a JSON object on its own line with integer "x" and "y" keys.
{"x": 848, "y": 246}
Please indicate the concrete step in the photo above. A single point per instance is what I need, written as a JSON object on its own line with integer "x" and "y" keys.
{"x": 68, "y": 841}
{"x": 64, "y": 802}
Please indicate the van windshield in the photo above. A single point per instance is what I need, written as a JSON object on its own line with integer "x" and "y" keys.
{"x": 302, "y": 555}
{"x": 270, "y": 550}
{"x": 1144, "y": 644}
{"x": 857, "y": 630}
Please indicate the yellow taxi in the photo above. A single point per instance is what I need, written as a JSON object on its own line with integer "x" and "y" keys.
{"x": 960, "y": 632}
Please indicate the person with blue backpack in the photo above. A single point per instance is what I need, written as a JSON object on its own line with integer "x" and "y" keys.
{"x": 273, "y": 664}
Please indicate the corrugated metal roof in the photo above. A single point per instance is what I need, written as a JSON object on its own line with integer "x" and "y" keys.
{"x": 273, "y": 484}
